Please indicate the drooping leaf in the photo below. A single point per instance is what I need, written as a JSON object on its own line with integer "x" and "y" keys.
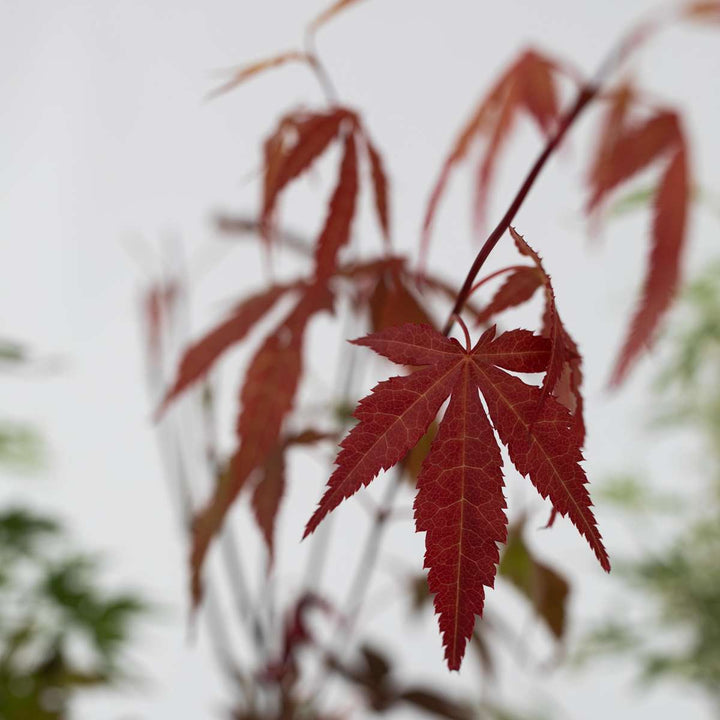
{"x": 518, "y": 288}
{"x": 543, "y": 586}
{"x": 267, "y": 495}
{"x": 503, "y": 126}
{"x": 266, "y": 397}
{"x": 275, "y": 147}
{"x": 393, "y": 303}
{"x": 459, "y": 151}
{"x": 564, "y": 373}
{"x": 634, "y": 149}
{"x": 380, "y": 189}
{"x": 291, "y": 150}
{"x": 535, "y": 73}
{"x": 270, "y": 488}
{"x": 611, "y": 128}
{"x": 198, "y": 359}
{"x": 245, "y": 73}
{"x": 663, "y": 274}
{"x": 336, "y": 231}
{"x": 528, "y": 86}
{"x": 460, "y": 504}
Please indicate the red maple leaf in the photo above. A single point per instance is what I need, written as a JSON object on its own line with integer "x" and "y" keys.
{"x": 664, "y": 266}
{"x": 529, "y": 86}
{"x": 336, "y": 231}
{"x": 519, "y": 287}
{"x": 291, "y": 149}
{"x": 460, "y": 503}
{"x": 266, "y": 398}
{"x": 270, "y": 487}
{"x": 380, "y": 187}
{"x": 198, "y": 358}
{"x": 626, "y": 148}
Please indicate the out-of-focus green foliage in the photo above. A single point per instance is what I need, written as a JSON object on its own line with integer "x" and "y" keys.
{"x": 680, "y": 636}
{"x": 635, "y": 495}
{"x": 20, "y": 446}
{"x": 59, "y": 633}
{"x": 11, "y": 352}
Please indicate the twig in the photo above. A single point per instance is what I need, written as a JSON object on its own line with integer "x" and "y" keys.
{"x": 248, "y": 225}
{"x": 363, "y": 574}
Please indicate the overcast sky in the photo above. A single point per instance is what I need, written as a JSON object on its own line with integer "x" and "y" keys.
{"x": 109, "y": 157}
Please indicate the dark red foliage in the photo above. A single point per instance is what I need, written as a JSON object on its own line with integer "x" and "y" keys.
{"x": 460, "y": 504}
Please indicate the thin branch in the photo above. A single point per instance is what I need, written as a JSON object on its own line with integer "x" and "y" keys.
{"x": 247, "y": 225}
{"x": 363, "y": 574}
{"x": 466, "y": 333}
{"x": 319, "y": 69}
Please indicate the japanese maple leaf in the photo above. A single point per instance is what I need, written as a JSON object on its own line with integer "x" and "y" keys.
{"x": 266, "y": 398}
{"x": 626, "y": 148}
{"x": 270, "y": 488}
{"x": 460, "y": 503}
{"x": 529, "y": 87}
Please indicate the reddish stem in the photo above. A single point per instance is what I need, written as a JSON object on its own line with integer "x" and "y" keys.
{"x": 466, "y": 332}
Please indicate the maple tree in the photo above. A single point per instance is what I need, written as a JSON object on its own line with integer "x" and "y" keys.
{"x": 453, "y": 457}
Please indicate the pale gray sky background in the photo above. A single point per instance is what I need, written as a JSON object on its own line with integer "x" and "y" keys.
{"x": 106, "y": 144}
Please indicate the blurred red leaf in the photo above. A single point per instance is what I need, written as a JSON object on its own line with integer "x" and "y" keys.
{"x": 519, "y": 287}
{"x": 199, "y": 357}
{"x": 529, "y": 86}
{"x": 270, "y": 488}
{"x": 564, "y": 365}
{"x": 380, "y": 188}
{"x": 336, "y": 231}
{"x": 392, "y": 303}
{"x": 299, "y": 140}
{"x": 633, "y": 149}
{"x": 266, "y": 398}
{"x": 663, "y": 274}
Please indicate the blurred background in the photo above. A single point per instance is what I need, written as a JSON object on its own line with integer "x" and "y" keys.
{"x": 113, "y": 171}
